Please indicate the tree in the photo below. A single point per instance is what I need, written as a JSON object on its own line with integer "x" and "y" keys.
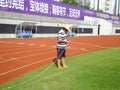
{"x": 86, "y": 6}
{"x": 100, "y": 10}
{"x": 65, "y": 1}
{"x": 72, "y": 2}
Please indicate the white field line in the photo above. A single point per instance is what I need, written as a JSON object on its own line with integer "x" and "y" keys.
{"x": 26, "y": 65}
{"x": 38, "y": 75}
{"x": 20, "y": 48}
{"x": 23, "y": 43}
{"x": 7, "y": 60}
{"x": 20, "y": 51}
{"x": 11, "y": 48}
{"x": 1, "y": 74}
{"x": 28, "y": 45}
{"x": 13, "y": 43}
{"x": 89, "y": 44}
{"x": 84, "y": 49}
{"x": 76, "y": 52}
{"x": 17, "y": 59}
{"x": 92, "y": 44}
{"x": 72, "y": 42}
{"x": 13, "y": 59}
{"x": 25, "y": 46}
{"x": 76, "y": 49}
{"x": 81, "y": 48}
{"x": 2, "y": 41}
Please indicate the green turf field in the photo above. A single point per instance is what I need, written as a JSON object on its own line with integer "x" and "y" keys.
{"x": 98, "y": 70}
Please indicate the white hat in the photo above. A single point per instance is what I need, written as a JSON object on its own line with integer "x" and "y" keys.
{"x": 67, "y": 27}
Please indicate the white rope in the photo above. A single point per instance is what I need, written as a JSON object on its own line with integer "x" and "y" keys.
{"x": 45, "y": 70}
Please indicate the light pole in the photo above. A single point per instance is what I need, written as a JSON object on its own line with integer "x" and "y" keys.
{"x": 118, "y": 7}
{"x": 115, "y": 7}
{"x": 98, "y": 6}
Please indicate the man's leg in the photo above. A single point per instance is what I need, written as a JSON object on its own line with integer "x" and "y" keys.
{"x": 63, "y": 62}
{"x": 58, "y": 63}
{"x": 59, "y": 58}
{"x": 63, "y": 59}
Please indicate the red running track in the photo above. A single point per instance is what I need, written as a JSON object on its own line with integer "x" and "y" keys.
{"x": 20, "y": 56}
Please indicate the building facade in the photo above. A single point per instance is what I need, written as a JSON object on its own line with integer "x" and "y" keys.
{"x": 109, "y": 6}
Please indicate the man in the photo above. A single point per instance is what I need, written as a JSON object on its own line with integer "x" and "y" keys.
{"x": 61, "y": 46}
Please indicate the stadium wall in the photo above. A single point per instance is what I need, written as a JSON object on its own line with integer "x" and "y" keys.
{"x": 12, "y": 19}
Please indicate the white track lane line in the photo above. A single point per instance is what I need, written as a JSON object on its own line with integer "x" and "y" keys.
{"x": 7, "y": 60}
{"x": 27, "y": 65}
{"x": 13, "y": 48}
{"x": 21, "y": 43}
{"x": 21, "y": 51}
{"x": 92, "y": 44}
{"x": 72, "y": 42}
{"x": 31, "y": 44}
{"x": 89, "y": 44}
{"x": 2, "y": 41}
{"x": 1, "y": 74}
{"x": 25, "y": 43}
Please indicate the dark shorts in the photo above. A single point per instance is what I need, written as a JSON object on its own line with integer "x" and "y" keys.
{"x": 61, "y": 53}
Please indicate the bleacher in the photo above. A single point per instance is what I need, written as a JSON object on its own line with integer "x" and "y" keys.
{"x": 24, "y": 30}
{"x": 25, "y": 34}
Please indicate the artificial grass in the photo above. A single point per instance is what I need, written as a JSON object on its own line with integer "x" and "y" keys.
{"x": 98, "y": 70}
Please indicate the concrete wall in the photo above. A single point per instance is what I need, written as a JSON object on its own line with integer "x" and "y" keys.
{"x": 7, "y": 36}
{"x": 36, "y": 18}
{"x": 114, "y": 29}
{"x": 105, "y": 27}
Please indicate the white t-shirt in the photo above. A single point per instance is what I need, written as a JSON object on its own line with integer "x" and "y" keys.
{"x": 62, "y": 36}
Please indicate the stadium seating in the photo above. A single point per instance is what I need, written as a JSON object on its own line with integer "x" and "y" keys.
{"x": 24, "y": 34}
